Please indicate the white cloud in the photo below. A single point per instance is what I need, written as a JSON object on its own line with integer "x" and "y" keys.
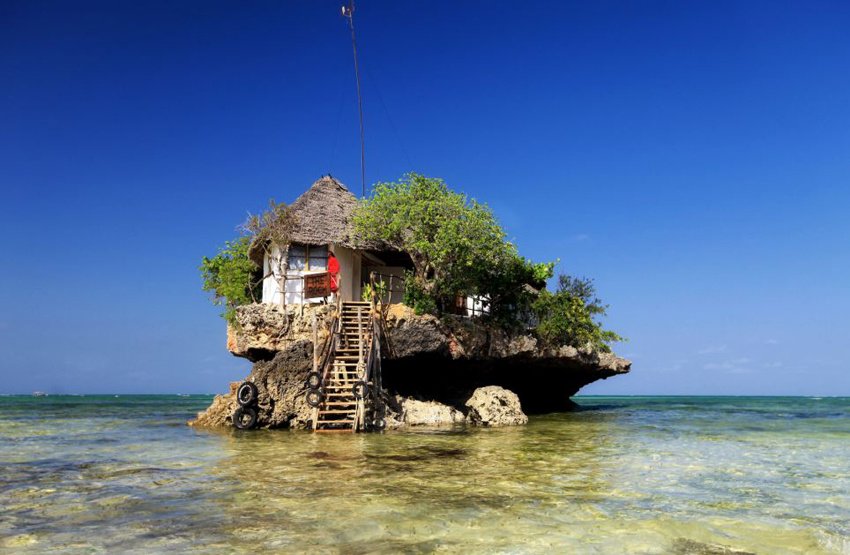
{"x": 771, "y": 342}
{"x": 712, "y": 350}
{"x": 732, "y": 366}
{"x": 580, "y": 237}
{"x": 674, "y": 366}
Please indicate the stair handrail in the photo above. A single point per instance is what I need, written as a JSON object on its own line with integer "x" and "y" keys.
{"x": 327, "y": 352}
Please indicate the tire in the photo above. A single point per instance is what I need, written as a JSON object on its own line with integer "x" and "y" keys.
{"x": 315, "y": 397}
{"x": 244, "y": 418}
{"x": 247, "y": 394}
{"x": 360, "y": 390}
{"x": 379, "y": 424}
{"x": 314, "y": 380}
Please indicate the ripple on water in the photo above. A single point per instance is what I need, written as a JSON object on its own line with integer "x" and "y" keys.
{"x": 653, "y": 475}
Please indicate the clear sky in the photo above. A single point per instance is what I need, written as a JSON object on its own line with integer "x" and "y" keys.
{"x": 692, "y": 157}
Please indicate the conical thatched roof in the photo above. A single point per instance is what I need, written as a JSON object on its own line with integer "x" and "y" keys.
{"x": 322, "y": 215}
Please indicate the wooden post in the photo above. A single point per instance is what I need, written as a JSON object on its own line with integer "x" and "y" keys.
{"x": 373, "y": 300}
{"x": 315, "y": 343}
{"x": 360, "y": 337}
{"x": 302, "y": 295}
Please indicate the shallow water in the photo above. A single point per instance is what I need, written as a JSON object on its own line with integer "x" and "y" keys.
{"x": 627, "y": 475}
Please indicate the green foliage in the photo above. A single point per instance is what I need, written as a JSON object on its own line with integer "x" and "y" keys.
{"x": 568, "y": 316}
{"x": 512, "y": 286}
{"x": 380, "y": 290}
{"x": 231, "y": 277}
{"x": 456, "y": 244}
{"x": 416, "y": 297}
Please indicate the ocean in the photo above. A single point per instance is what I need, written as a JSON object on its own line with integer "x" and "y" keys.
{"x": 124, "y": 474}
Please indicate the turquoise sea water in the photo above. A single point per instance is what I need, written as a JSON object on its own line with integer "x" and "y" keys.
{"x": 104, "y": 474}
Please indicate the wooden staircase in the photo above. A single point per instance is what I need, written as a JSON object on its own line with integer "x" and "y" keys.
{"x": 341, "y": 410}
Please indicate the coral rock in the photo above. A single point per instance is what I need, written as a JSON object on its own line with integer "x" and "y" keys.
{"x": 495, "y": 406}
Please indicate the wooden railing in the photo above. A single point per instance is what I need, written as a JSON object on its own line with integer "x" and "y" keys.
{"x": 385, "y": 285}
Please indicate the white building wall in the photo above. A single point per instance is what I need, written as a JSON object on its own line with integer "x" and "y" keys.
{"x": 349, "y": 273}
{"x": 357, "y": 276}
{"x": 349, "y": 263}
{"x": 271, "y": 285}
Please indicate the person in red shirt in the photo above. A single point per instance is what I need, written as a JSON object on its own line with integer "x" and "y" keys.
{"x": 333, "y": 271}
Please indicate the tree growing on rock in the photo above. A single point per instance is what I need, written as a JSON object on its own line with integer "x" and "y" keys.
{"x": 456, "y": 244}
{"x": 569, "y": 316}
{"x": 232, "y": 277}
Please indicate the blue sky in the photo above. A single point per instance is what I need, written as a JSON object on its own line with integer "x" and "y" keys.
{"x": 692, "y": 157}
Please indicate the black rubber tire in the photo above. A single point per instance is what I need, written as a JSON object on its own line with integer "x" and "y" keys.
{"x": 247, "y": 394}
{"x": 239, "y": 418}
{"x": 315, "y": 397}
{"x": 314, "y": 380}
{"x": 379, "y": 424}
{"x": 360, "y": 390}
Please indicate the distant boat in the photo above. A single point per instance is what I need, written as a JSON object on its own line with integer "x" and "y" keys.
{"x": 39, "y": 394}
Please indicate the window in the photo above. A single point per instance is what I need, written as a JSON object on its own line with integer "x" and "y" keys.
{"x": 317, "y": 258}
{"x": 297, "y": 257}
{"x": 307, "y": 258}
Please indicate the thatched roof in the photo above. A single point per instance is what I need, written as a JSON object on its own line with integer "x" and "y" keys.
{"x": 322, "y": 215}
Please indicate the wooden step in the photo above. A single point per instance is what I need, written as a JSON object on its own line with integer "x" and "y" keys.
{"x": 334, "y": 430}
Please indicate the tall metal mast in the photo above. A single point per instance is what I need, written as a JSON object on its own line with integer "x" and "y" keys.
{"x": 348, "y": 12}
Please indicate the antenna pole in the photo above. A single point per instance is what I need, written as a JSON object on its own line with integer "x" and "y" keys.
{"x": 349, "y": 13}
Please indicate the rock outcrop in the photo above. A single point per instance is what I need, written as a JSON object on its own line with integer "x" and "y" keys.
{"x": 262, "y": 330}
{"x": 432, "y": 365}
{"x": 495, "y": 406}
{"x": 280, "y": 386}
{"x": 414, "y": 412}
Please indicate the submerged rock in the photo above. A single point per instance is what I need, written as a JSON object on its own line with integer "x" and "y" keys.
{"x": 495, "y": 406}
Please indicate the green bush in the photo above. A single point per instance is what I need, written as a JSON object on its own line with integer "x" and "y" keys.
{"x": 416, "y": 297}
{"x": 568, "y": 316}
{"x": 380, "y": 290}
{"x": 456, "y": 244}
{"x": 231, "y": 277}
